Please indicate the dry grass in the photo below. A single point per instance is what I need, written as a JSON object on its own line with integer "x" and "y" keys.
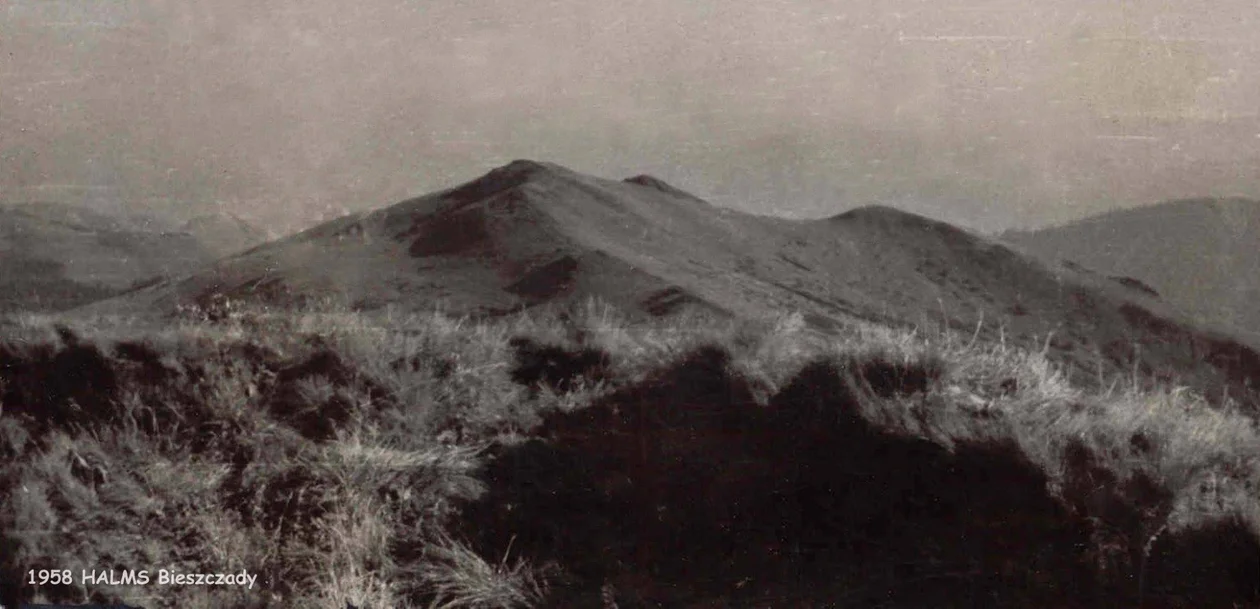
{"x": 459, "y": 578}
{"x": 368, "y": 516}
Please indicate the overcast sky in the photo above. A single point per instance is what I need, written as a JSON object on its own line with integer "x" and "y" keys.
{"x": 987, "y": 114}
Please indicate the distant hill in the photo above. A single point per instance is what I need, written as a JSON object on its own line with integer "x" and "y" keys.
{"x": 1201, "y": 255}
{"x": 55, "y": 256}
{"x": 533, "y": 234}
{"x": 223, "y": 233}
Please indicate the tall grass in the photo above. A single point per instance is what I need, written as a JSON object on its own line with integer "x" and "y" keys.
{"x": 197, "y": 464}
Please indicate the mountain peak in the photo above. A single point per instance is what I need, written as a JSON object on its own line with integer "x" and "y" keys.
{"x": 523, "y": 165}
{"x": 506, "y": 177}
{"x": 528, "y": 167}
{"x": 656, "y": 183}
{"x": 880, "y": 213}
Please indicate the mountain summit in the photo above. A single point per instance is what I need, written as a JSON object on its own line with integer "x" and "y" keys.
{"x": 529, "y": 234}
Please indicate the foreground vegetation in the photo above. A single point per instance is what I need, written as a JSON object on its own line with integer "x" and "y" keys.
{"x": 573, "y": 458}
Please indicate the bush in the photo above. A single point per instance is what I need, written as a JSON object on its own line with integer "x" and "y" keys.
{"x": 684, "y": 481}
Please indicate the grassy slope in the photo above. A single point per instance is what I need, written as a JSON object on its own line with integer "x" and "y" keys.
{"x": 342, "y": 456}
{"x": 56, "y": 257}
{"x": 223, "y": 233}
{"x": 1199, "y": 254}
{"x": 534, "y": 233}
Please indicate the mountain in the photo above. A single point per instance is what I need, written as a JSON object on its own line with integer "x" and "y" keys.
{"x": 223, "y": 233}
{"x": 55, "y": 256}
{"x": 1200, "y": 255}
{"x": 529, "y": 234}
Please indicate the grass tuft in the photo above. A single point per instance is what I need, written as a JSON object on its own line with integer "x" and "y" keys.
{"x": 571, "y": 457}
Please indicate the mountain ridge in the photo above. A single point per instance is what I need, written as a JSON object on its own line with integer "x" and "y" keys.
{"x": 531, "y": 234}
{"x": 1200, "y": 254}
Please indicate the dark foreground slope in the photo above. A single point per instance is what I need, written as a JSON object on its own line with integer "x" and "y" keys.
{"x": 530, "y": 234}
{"x": 1202, "y": 255}
{"x": 683, "y": 490}
{"x": 350, "y": 459}
{"x": 55, "y": 256}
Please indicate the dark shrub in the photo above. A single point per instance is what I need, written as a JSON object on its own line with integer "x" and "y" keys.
{"x": 440, "y": 366}
{"x": 1140, "y": 443}
{"x": 14, "y": 438}
{"x": 547, "y": 281}
{"x": 288, "y": 502}
{"x": 137, "y": 351}
{"x": 322, "y": 421}
{"x": 1239, "y": 362}
{"x": 450, "y": 233}
{"x": 1135, "y": 284}
{"x": 150, "y": 370}
{"x": 556, "y": 367}
{"x": 1217, "y": 565}
{"x": 73, "y": 385}
{"x": 1139, "y": 562}
{"x": 891, "y": 378}
{"x": 1142, "y": 318}
{"x": 1009, "y": 386}
{"x": 1122, "y": 514}
{"x": 682, "y": 490}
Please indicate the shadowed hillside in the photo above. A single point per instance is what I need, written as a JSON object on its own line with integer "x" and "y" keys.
{"x": 1201, "y": 255}
{"x": 531, "y": 234}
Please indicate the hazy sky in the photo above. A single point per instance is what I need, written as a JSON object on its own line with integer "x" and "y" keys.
{"x": 987, "y": 114}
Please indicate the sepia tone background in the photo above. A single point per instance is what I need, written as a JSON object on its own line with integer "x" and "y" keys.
{"x": 991, "y": 115}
